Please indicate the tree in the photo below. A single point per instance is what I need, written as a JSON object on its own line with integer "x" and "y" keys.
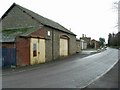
{"x": 116, "y": 8}
{"x": 115, "y": 5}
{"x": 102, "y": 41}
{"x": 114, "y": 39}
{"x": 117, "y": 39}
{"x": 109, "y": 39}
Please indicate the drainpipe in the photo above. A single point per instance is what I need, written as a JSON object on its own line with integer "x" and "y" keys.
{"x": 52, "y": 44}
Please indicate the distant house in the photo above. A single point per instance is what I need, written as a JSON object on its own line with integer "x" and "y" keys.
{"x": 83, "y": 44}
{"x": 95, "y": 44}
{"x": 78, "y": 47}
{"x": 86, "y": 40}
{"x": 28, "y": 38}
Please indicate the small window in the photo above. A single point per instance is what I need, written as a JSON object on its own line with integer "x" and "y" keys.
{"x": 32, "y": 17}
{"x": 48, "y": 33}
{"x": 34, "y": 50}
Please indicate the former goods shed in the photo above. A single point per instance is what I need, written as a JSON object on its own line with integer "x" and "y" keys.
{"x": 29, "y": 38}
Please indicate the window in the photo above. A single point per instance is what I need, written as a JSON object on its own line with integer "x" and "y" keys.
{"x": 48, "y": 33}
{"x": 34, "y": 50}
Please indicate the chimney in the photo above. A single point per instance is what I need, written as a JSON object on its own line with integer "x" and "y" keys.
{"x": 83, "y": 35}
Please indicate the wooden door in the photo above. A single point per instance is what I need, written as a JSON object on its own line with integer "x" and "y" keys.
{"x": 41, "y": 50}
{"x": 63, "y": 47}
{"x": 34, "y": 51}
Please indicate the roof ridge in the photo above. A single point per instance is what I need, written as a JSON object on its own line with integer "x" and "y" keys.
{"x": 23, "y": 8}
{"x": 40, "y": 19}
{"x": 30, "y": 11}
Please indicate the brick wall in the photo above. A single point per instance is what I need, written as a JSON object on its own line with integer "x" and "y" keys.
{"x": 39, "y": 33}
{"x": 22, "y": 51}
{"x": 53, "y": 41}
{"x": 48, "y": 44}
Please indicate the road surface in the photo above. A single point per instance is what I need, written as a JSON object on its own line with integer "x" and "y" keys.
{"x": 72, "y": 73}
{"x": 109, "y": 80}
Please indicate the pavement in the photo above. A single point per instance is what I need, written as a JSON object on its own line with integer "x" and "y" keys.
{"x": 89, "y": 51}
{"x": 76, "y": 71}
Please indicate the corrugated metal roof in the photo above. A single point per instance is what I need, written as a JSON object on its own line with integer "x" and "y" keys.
{"x": 9, "y": 35}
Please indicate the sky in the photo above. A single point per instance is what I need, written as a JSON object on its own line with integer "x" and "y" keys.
{"x": 95, "y": 18}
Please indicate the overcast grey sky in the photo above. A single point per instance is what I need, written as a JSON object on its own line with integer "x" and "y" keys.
{"x": 95, "y": 18}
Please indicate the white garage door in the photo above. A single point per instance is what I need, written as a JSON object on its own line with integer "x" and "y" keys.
{"x": 63, "y": 47}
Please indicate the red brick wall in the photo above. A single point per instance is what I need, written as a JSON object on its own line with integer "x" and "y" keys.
{"x": 23, "y": 47}
{"x": 22, "y": 51}
{"x": 39, "y": 33}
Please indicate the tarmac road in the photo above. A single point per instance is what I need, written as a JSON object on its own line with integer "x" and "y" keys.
{"x": 72, "y": 72}
{"x": 109, "y": 80}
